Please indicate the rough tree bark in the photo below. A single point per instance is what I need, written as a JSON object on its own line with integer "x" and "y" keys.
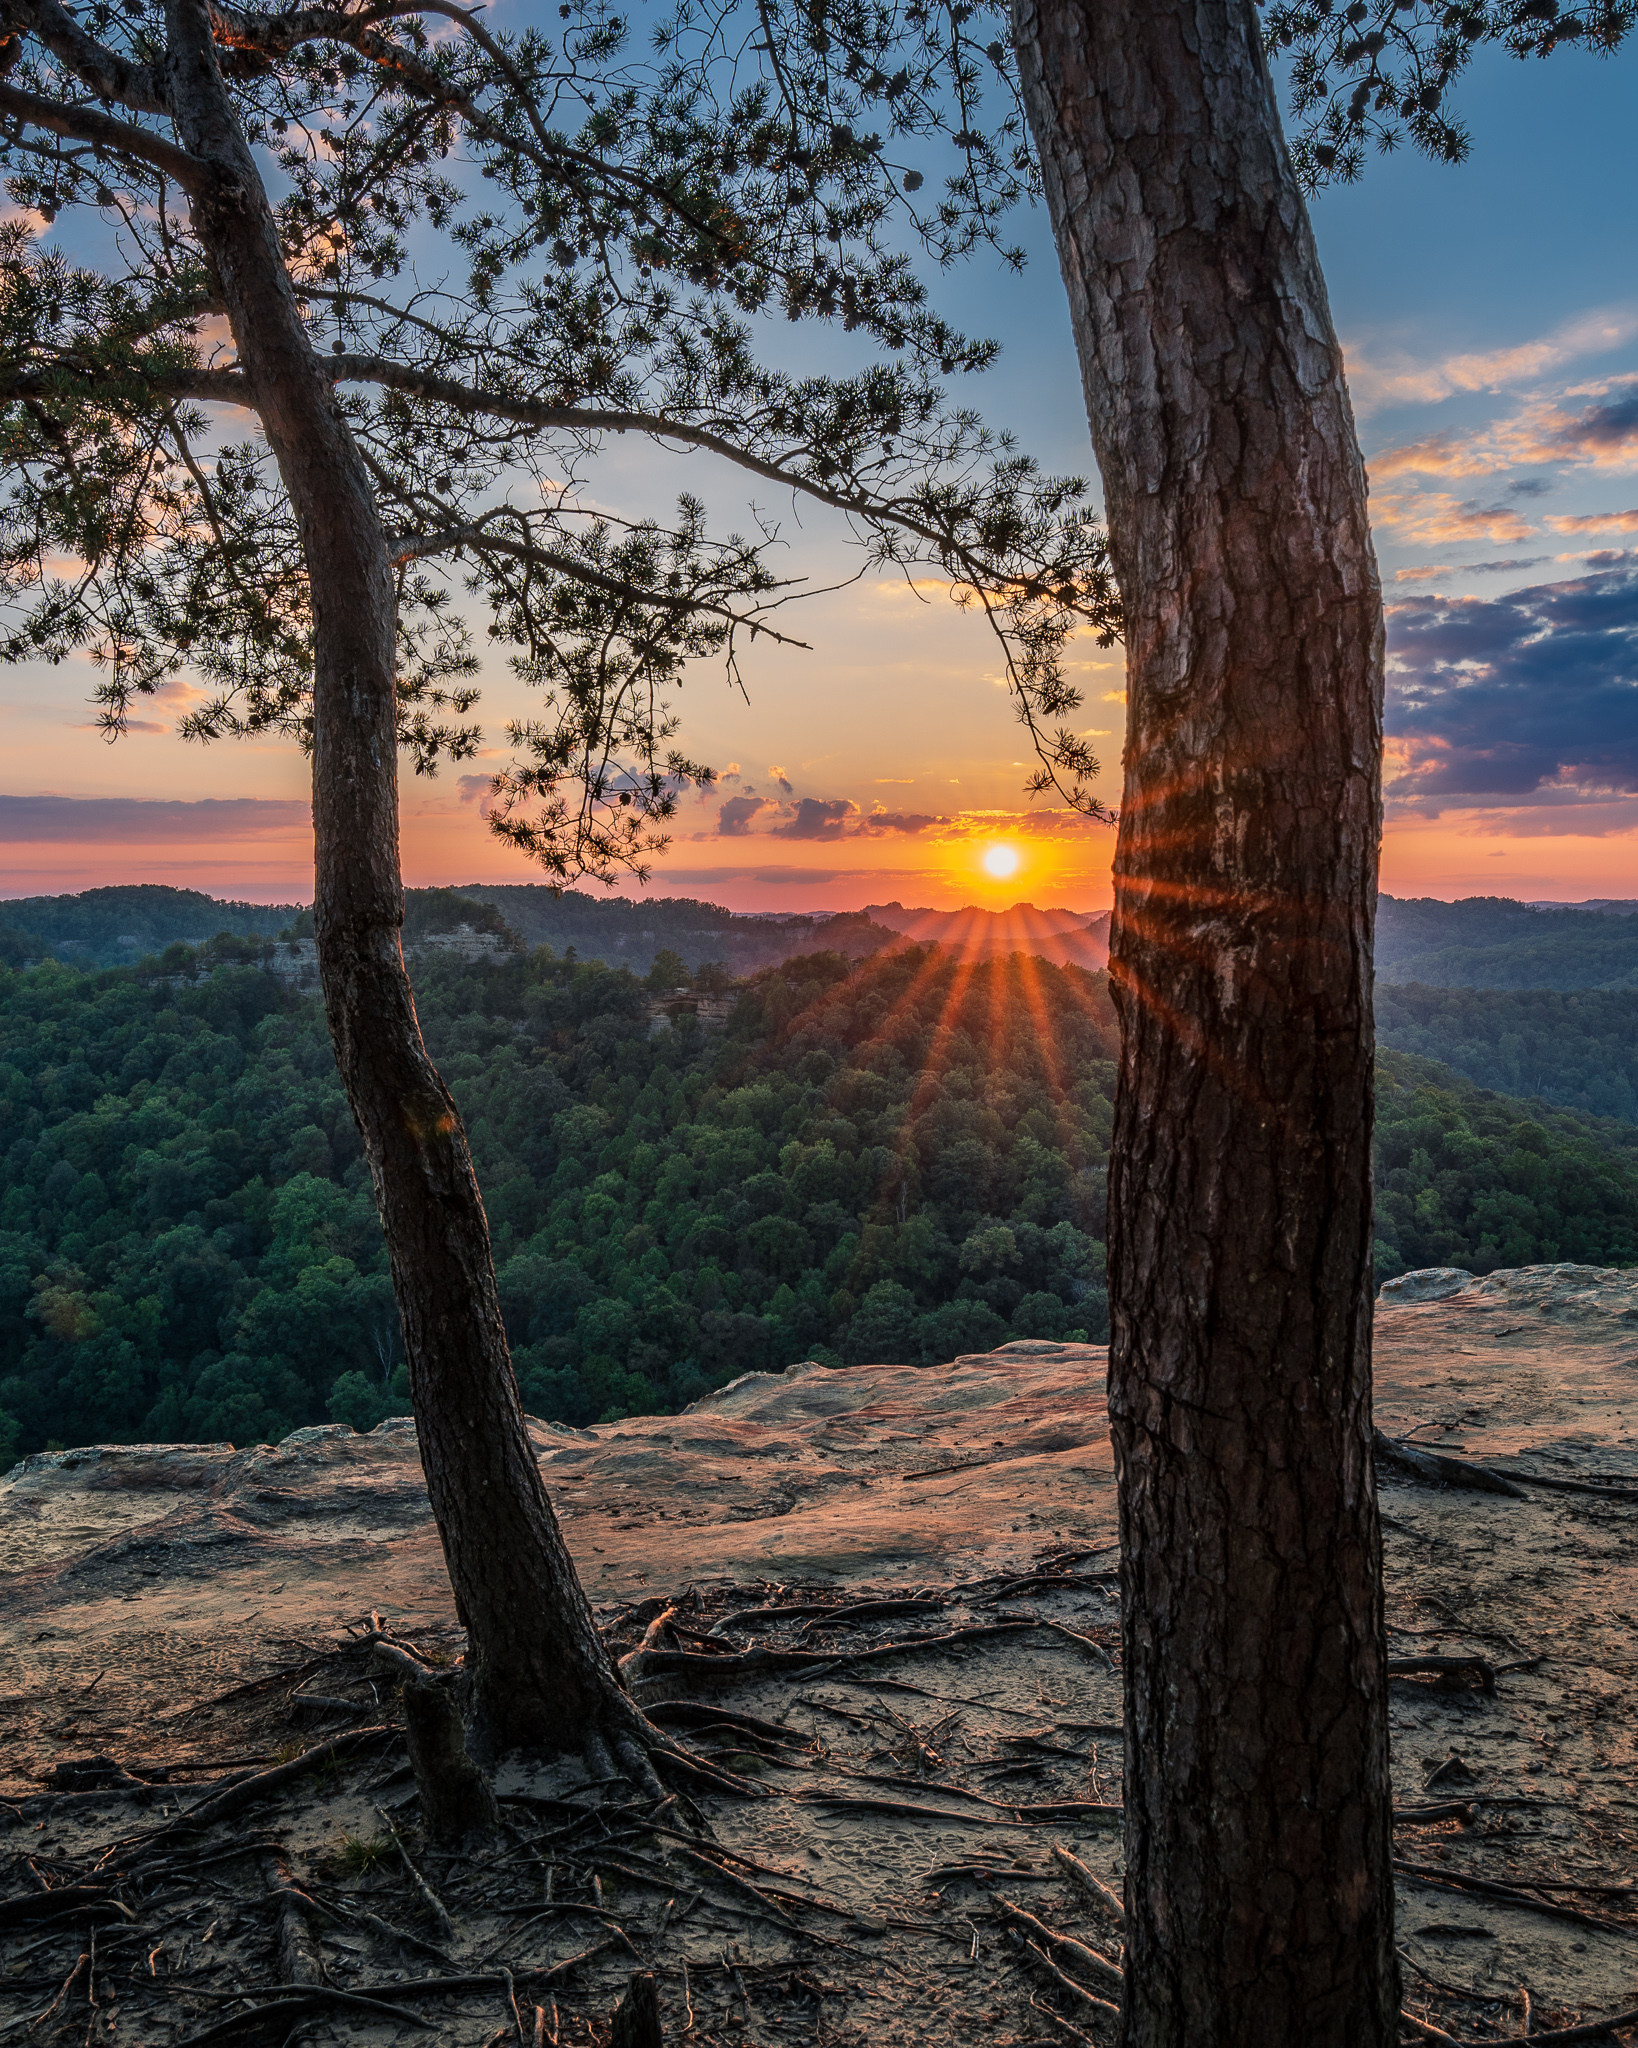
{"x": 540, "y": 1675}
{"x": 1259, "y": 1895}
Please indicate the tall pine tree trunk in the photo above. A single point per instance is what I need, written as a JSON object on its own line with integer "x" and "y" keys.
{"x": 541, "y": 1676}
{"x": 1259, "y": 1889}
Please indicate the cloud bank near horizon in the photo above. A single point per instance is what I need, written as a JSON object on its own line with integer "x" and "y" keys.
{"x": 121, "y": 820}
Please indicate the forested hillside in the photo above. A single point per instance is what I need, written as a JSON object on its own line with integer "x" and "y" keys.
{"x": 904, "y": 1161}
{"x": 1467, "y": 1177}
{"x": 901, "y": 1159}
{"x": 109, "y": 927}
{"x": 632, "y": 932}
{"x": 1576, "y": 1051}
{"x": 117, "y": 926}
{"x": 1494, "y": 942}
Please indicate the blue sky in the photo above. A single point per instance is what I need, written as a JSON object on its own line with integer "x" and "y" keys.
{"x": 1490, "y": 318}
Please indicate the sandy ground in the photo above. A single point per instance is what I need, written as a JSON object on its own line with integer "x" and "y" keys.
{"x": 137, "y": 1585}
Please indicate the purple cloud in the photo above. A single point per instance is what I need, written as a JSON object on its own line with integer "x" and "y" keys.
{"x": 899, "y": 821}
{"x": 734, "y": 819}
{"x": 124, "y": 819}
{"x": 1603, "y": 433}
{"x": 1500, "y": 696}
{"x": 816, "y": 818}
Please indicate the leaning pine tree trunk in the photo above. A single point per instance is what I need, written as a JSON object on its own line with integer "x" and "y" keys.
{"x": 541, "y": 1677}
{"x": 1259, "y": 1890}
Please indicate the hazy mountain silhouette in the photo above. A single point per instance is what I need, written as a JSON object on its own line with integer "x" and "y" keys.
{"x": 1068, "y": 938}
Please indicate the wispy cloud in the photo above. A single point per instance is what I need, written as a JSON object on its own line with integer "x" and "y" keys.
{"x": 1428, "y": 571}
{"x": 1435, "y": 518}
{"x": 899, "y": 822}
{"x": 1376, "y": 385}
{"x": 1594, "y": 522}
{"x": 1605, "y": 435}
{"x": 1543, "y": 432}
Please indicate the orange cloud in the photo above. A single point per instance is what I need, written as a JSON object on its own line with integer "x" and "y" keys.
{"x": 1603, "y": 435}
{"x": 1374, "y": 385}
{"x": 1435, "y": 518}
{"x": 1595, "y": 522}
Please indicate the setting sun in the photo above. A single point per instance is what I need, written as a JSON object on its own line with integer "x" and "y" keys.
{"x": 1001, "y": 861}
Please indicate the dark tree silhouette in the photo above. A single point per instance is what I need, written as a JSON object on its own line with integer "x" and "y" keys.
{"x": 1259, "y": 1894}
{"x": 1258, "y": 1804}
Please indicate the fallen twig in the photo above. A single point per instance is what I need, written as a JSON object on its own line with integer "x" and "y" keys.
{"x": 254, "y": 1685}
{"x": 440, "y": 1912}
{"x": 1426, "y": 2030}
{"x": 1444, "y": 1667}
{"x": 569, "y": 1907}
{"x": 1083, "y": 1642}
{"x": 948, "y": 1873}
{"x": 870, "y": 1610}
{"x": 1065, "y": 1942}
{"x": 676, "y": 1663}
{"x": 1075, "y": 2033}
{"x": 1063, "y": 1977}
{"x": 300, "y": 1999}
{"x": 1612, "y": 1488}
{"x": 224, "y": 1803}
{"x": 1506, "y": 1894}
{"x": 69, "y": 1982}
{"x": 1088, "y": 1883}
{"x": 364, "y": 1918}
{"x": 1430, "y": 1467}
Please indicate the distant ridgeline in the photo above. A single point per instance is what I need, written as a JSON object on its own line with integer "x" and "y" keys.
{"x": 1484, "y": 942}
{"x": 900, "y": 1158}
{"x": 1534, "y": 1002}
{"x": 115, "y": 927}
{"x": 1493, "y": 942}
{"x": 624, "y": 933}
{"x": 119, "y": 926}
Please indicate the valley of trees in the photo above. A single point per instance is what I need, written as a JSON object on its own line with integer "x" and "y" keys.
{"x": 903, "y": 1159}
{"x": 1577, "y": 1049}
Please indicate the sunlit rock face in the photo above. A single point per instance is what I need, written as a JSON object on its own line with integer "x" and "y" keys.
{"x": 1428, "y": 1283}
{"x": 1561, "y": 1290}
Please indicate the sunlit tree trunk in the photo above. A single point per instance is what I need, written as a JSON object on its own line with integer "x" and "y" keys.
{"x": 1259, "y": 1888}
{"x": 540, "y": 1674}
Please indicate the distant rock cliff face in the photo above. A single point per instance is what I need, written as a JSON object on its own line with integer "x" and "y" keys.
{"x": 296, "y": 960}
